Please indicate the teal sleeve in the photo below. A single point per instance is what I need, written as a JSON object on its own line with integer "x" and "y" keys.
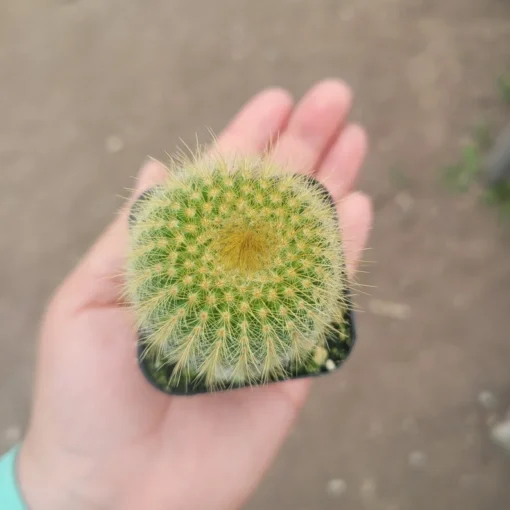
{"x": 10, "y": 496}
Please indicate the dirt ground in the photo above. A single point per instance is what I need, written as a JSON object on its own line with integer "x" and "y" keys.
{"x": 88, "y": 88}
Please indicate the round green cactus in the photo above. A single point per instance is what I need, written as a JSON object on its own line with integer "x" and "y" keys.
{"x": 235, "y": 272}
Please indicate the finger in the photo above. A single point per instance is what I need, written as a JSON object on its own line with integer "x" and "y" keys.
{"x": 97, "y": 279}
{"x": 151, "y": 174}
{"x": 257, "y": 124}
{"x": 355, "y": 218}
{"x": 250, "y": 131}
{"x": 341, "y": 165}
{"x": 313, "y": 125}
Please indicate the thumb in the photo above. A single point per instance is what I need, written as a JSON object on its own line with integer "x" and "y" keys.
{"x": 96, "y": 281}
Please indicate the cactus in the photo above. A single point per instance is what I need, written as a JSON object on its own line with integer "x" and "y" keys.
{"x": 236, "y": 275}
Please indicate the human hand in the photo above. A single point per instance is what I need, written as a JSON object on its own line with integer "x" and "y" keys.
{"x": 100, "y": 436}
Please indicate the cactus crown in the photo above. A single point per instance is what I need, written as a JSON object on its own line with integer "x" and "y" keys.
{"x": 235, "y": 271}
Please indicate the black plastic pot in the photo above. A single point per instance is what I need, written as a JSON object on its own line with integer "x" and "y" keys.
{"x": 338, "y": 346}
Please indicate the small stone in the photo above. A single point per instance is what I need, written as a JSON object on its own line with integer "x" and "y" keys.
{"x": 500, "y": 434}
{"x": 417, "y": 459}
{"x": 368, "y": 487}
{"x": 330, "y": 364}
{"x": 487, "y": 399}
{"x": 114, "y": 144}
{"x": 405, "y": 201}
{"x": 337, "y": 487}
{"x": 12, "y": 434}
{"x": 399, "y": 311}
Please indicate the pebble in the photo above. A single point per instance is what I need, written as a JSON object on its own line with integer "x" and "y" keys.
{"x": 392, "y": 310}
{"x": 114, "y": 144}
{"x": 330, "y": 364}
{"x": 368, "y": 487}
{"x": 417, "y": 459}
{"x": 501, "y": 434}
{"x": 405, "y": 201}
{"x": 487, "y": 399}
{"x": 337, "y": 487}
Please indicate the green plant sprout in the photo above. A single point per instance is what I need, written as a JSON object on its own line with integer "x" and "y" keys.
{"x": 463, "y": 174}
{"x": 236, "y": 275}
{"x": 503, "y": 84}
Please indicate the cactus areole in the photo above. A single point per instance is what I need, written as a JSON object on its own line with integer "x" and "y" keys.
{"x": 236, "y": 275}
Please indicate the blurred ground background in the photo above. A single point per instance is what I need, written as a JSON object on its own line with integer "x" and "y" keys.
{"x": 88, "y": 88}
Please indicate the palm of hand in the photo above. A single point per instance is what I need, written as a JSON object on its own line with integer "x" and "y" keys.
{"x": 98, "y": 429}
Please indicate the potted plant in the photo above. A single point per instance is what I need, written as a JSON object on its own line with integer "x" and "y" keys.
{"x": 236, "y": 275}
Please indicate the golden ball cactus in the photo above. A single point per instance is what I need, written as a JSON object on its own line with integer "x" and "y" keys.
{"x": 236, "y": 275}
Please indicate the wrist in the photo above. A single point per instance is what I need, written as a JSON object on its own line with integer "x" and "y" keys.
{"x": 36, "y": 482}
{"x": 43, "y": 485}
{"x": 10, "y": 494}
{"x": 51, "y": 479}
